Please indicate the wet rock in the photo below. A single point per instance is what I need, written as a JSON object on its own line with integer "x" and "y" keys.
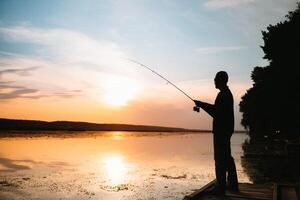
{"x": 174, "y": 177}
{"x": 116, "y": 188}
{"x": 5, "y": 183}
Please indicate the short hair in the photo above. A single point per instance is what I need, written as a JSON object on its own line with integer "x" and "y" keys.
{"x": 223, "y": 76}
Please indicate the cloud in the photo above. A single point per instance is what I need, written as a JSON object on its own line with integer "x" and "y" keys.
{"x": 67, "y": 61}
{"x": 27, "y": 93}
{"x": 67, "y": 94}
{"x": 217, "y": 49}
{"x": 215, "y": 4}
{"x": 8, "y": 90}
{"x": 253, "y": 15}
{"x": 17, "y": 93}
{"x": 67, "y": 46}
{"x": 6, "y": 84}
{"x": 21, "y": 72}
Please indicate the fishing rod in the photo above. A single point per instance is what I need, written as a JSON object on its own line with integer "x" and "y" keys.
{"x": 140, "y": 64}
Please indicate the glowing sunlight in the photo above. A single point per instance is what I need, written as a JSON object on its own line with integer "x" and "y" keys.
{"x": 119, "y": 90}
{"x": 115, "y": 168}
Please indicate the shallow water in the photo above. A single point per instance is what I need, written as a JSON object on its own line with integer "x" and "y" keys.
{"x": 109, "y": 165}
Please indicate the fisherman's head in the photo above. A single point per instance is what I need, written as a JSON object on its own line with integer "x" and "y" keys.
{"x": 221, "y": 80}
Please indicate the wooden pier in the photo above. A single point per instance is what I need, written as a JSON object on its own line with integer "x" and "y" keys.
{"x": 251, "y": 192}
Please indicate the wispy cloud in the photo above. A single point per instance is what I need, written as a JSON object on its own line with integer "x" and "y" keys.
{"x": 67, "y": 94}
{"x": 66, "y": 60}
{"x": 16, "y": 92}
{"x": 69, "y": 46}
{"x": 218, "y": 49}
{"x": 253, "y": 15}
{"x": 62, "y": 48}
{"x": 10, "y": 91}
{"x": 215, "y": 4}
{"x": 21, "y": 72}
{"x": 7, "y": 84}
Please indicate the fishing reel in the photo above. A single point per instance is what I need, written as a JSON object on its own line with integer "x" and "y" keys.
{"x": 196, "y": 109}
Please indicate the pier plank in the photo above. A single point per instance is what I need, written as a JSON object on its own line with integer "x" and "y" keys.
{"x": 249, "y": 191}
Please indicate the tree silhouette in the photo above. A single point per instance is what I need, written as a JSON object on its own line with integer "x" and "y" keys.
{"x": 272, "y": 105}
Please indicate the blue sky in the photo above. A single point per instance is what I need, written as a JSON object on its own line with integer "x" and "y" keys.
{"x": 70, "y": 48}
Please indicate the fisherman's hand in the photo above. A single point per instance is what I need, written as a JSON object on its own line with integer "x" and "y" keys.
{"x": 198, "y": 103}
{"x": 196, "y": 109}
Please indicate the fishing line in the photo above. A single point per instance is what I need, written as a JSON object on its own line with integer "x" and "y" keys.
{"x": 146, "y": 67}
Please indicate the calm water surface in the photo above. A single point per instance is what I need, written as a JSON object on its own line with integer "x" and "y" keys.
{"x": 109, "y": 165}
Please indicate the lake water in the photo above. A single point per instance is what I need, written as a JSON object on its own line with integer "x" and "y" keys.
{"x": 109, "y": 165}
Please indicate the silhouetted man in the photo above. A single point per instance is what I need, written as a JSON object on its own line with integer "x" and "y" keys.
{"x": 223, "y": 127}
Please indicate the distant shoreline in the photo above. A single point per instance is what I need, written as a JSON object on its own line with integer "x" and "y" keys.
{"x": 16, "y": 125}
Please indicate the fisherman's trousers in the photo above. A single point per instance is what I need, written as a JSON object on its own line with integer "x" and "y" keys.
{"x": 224, "y": 161}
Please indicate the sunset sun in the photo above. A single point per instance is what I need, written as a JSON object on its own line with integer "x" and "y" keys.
{"x": 119, "y": 90}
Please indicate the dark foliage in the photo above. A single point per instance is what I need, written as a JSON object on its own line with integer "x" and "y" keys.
{"x": 272, "y": 105}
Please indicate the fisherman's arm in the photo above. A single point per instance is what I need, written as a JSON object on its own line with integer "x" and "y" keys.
{"x": 209, "y": 108}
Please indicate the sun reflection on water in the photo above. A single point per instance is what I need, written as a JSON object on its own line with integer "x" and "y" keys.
{"x": 117, "y": 135}
{"x": 115, "y": 168}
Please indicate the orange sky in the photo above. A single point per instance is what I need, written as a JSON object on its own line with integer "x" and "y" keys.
{"x": 157, "y": 104}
